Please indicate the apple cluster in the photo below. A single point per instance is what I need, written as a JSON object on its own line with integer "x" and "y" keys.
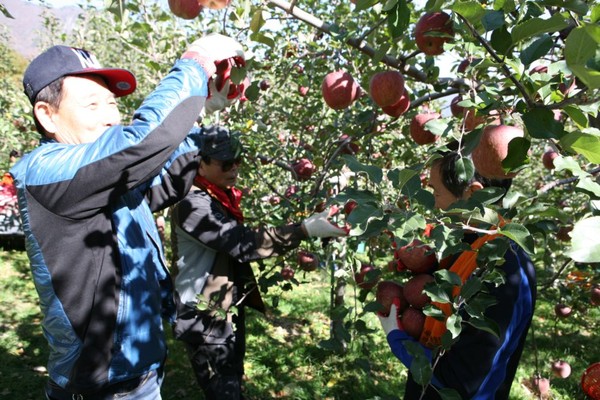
{"x": 419, "y": 260}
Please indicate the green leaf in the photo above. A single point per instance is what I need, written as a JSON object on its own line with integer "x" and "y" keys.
{"x": 470, "y": 288}
{"x": 472, "y": 11}
{"x": 493, "y": 20}
{"x": 536, "y": 50}
{"x": 518, "y": 154}
{"x": 454, "y": 325}
{"x": 465, "y": 170}
{"x": 5, "y": 12}
{"x": 540, "y": 124}
{"x": 398, "y": 18}
{"x": 577, "y": 115}
{"x": 399, "y": 177}
{"x": 587, "y": 145}
{"x": 577, "y": 6}
{"x": 585, "y": 241}
{"x": 421, "y": 370}
{"x": 257, "y": 21}
{"x": 444, "y": 275}
{"x": 595, "y": 15}
{"x": 520, "y": 235}
{"x": 364, "y": 4}
{"x": 537, "y": 26}
{"x": 263, "y": 38}
{"x": 374, "y": 173}
{"x": 485, "y": 324}
{"x": 501, "y": 40}
{"x": 583, "y": 55}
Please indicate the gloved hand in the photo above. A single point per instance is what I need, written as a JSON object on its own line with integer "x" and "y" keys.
{"x": 209, "y": 50}
{"x": 222, "y": 92}
{"x": 392, "y": 321}
{"x": 318, "y": 225}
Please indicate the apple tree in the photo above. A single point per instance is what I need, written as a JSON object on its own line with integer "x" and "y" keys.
{"x": 322, "y": 127}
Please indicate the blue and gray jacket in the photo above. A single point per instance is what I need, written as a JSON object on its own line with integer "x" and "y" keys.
{"x": 95, "y": 253}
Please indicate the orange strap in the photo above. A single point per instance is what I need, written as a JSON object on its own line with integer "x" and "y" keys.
{"x": 464, "y": 266}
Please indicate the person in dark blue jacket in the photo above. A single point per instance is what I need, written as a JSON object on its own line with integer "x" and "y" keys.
{"x": 87, "y": 196}
{"x": 479, "y": 365}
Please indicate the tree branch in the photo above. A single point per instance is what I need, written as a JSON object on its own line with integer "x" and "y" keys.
{"x": 560, "y": 182}
{"x": 496, "y": 58}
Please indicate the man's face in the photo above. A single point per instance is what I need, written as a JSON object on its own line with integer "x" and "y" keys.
{"x": 86, "y": 110}
{"x": 223, "y": 174}
{"x": 443, "y": 197}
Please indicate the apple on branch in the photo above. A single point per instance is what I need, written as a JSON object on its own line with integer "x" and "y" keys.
{"x": 492, "y": 149}
{"x": 386, "y": 88}
{"x": 418, "y": 132}
{"x": 339, "y": 90}
{"x": 186, "y": 9}
{"x": 432, "y": 31}
{"x": 307, "y": 261}
{"x": 400, "y": 107}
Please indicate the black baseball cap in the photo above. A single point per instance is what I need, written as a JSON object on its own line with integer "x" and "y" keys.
{"x": 59, "y": 61}
{"x": 218, "y": 143}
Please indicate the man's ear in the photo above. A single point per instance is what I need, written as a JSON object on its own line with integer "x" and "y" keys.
{"x": 472, "y": 188}
{"x": 43, "y": 112}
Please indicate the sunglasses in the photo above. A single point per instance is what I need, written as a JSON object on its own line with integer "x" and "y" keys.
{"x": 227, "y": 165}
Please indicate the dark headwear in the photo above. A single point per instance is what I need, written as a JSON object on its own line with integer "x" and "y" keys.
{"x": 59, "y": 61}
{"x": 220, "y": 144}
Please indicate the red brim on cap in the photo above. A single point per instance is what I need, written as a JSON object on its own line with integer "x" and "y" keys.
{"x": 120, "y": 81}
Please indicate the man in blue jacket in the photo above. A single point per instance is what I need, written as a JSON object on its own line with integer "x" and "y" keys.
{"x": 86, "y": 197}
{"x": 479, "y": 365}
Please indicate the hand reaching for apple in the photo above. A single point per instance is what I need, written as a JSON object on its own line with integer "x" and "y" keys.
{"x": 318, "y": 225}
{"x": 211, "y": 49}
{"x": 392, "y": 321}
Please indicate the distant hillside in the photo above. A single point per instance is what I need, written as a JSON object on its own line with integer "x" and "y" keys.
{"x": 27, "y": 26}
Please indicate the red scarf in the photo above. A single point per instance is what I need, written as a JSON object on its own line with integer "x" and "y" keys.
{"x": 230, "y": 199}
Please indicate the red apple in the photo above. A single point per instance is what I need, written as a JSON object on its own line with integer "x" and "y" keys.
{"x": 464, "y": 64}
{"x": 595, "y": 295}
{"x": 386, "y": 88}
{"x": 385, "y": 294}
{"x": 563, "y": 233}
{"x": 214, "y": 4}
{"x": 339, "y": 90}
{"x": 561, "y": 369}
{"x": 455, "y": 109}
{"x": 418, "y": 131}
{"x": 307, "y": 261}
{"x": 274, "y": 200}
{"x": 413, "y": 290}
{"x": 186, "y": 9}
{"x": 400, "y": 107}
{"x": 417, "y": 257}
{"x": 541, "y": 386}
{"x": 562, "y": 310}
{"x": 548, "y": 159}
{"x": 413, "y": 321}
{"x": 302, "y": 90}
{"x": 287, "y": 272}
{"x": 265, "y": 84}
{"x": 349, "y": 206}
{"x": 432, "y": 31}
{"x": 492, "y": 149}
{"x": 290, "y": 191}
{"x": 303, "y": 169}
{"x": 364, "y": 281}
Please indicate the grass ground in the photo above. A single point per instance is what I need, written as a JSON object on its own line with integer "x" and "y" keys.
{"x": 284, "y": 358}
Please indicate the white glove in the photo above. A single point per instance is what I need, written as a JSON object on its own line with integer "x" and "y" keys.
{"x": 212, "y": 48}
{"x": 392, "y": 321}
{"x": 217, "y": 100}
{"x": 318, "y": 225}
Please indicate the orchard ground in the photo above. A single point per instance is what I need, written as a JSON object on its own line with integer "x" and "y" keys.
{"x": 284, "y": 357}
